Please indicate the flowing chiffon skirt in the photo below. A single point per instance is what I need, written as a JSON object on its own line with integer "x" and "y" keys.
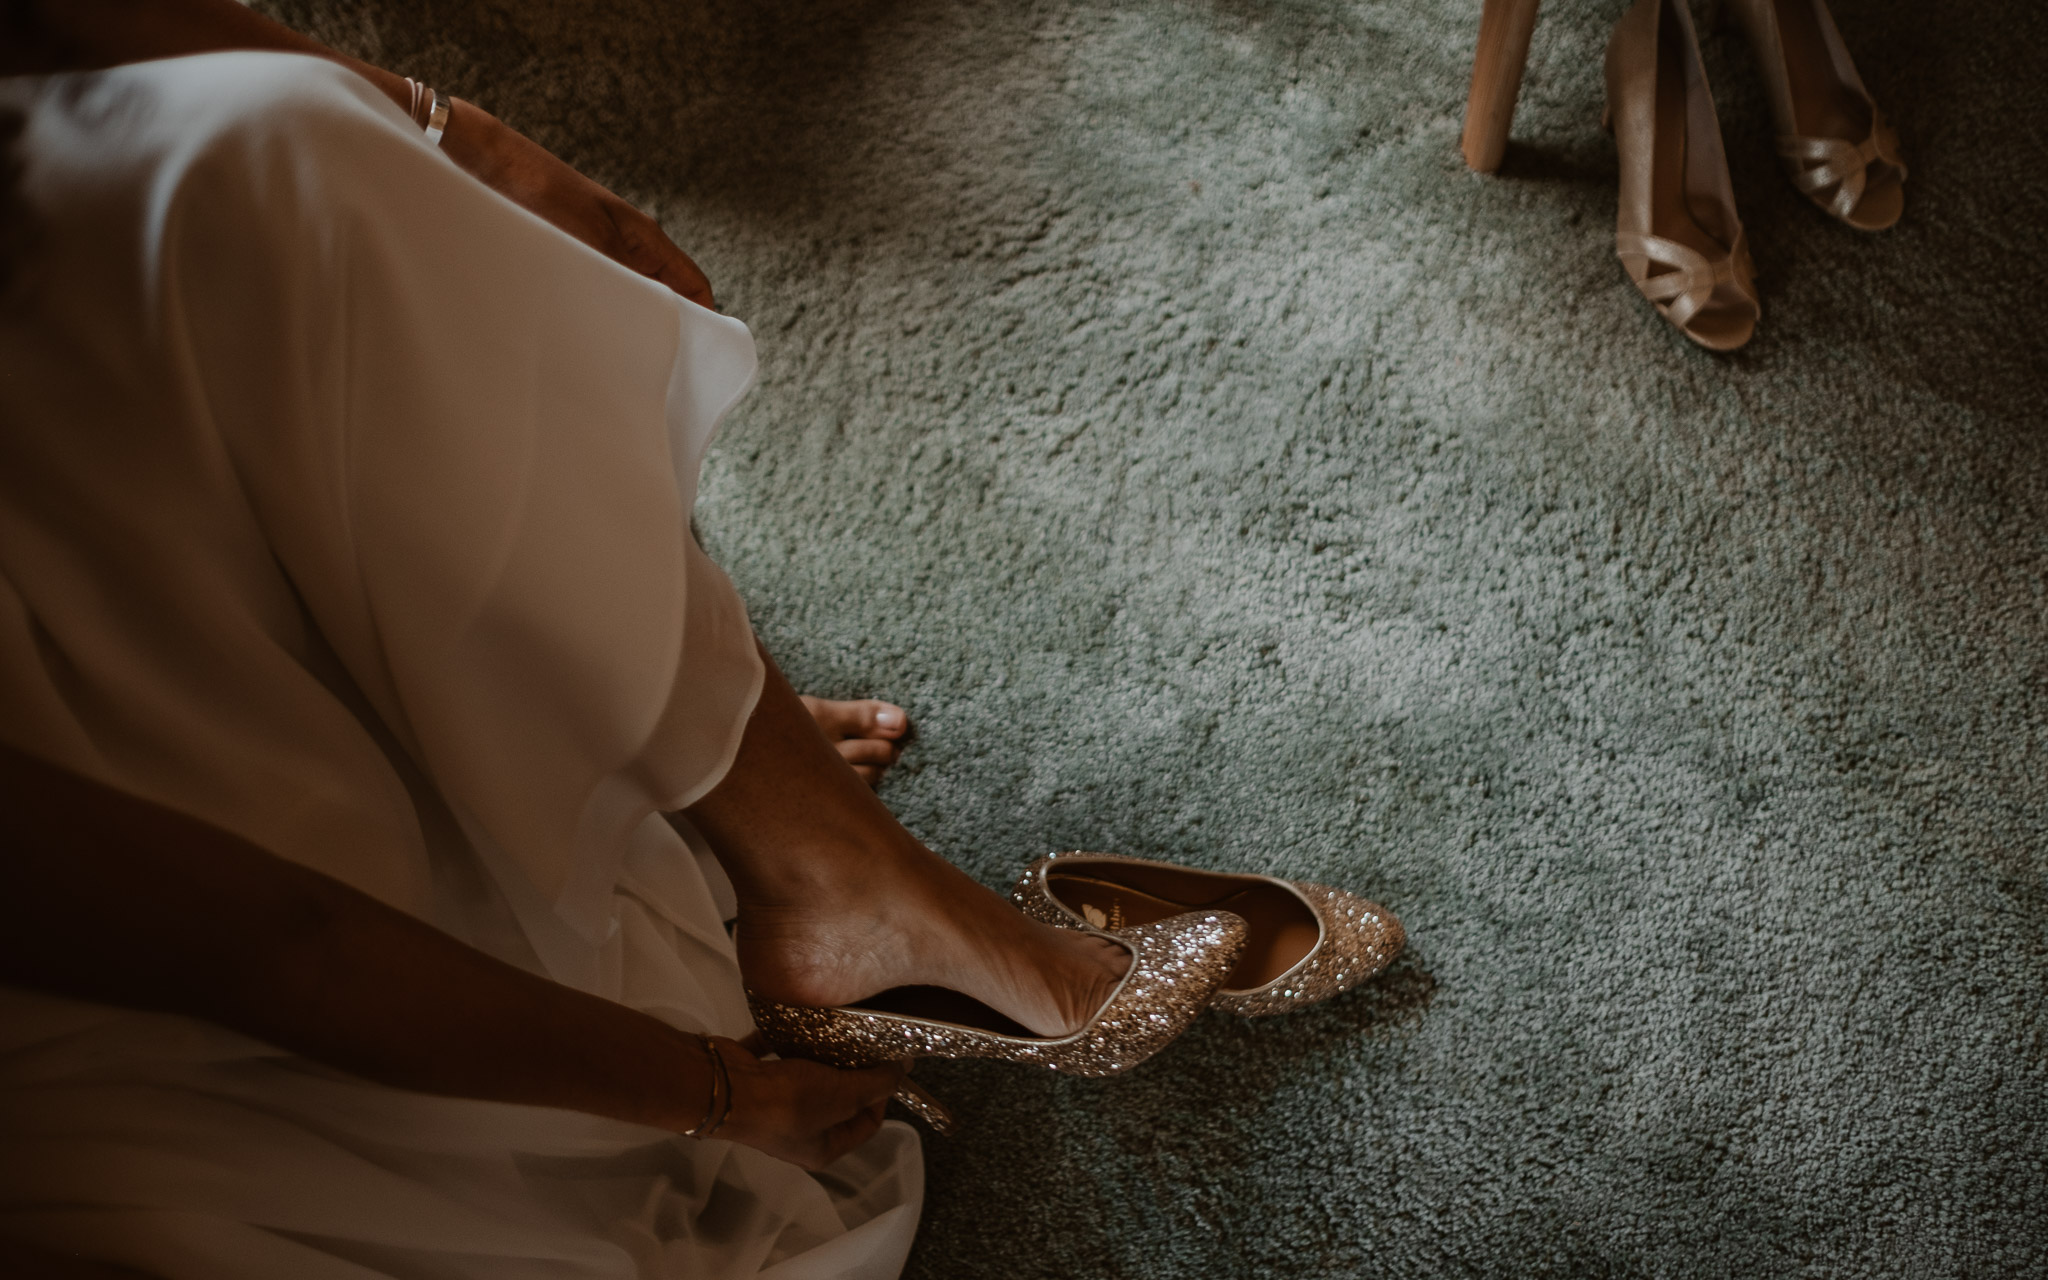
{"x": 345, "y": 506}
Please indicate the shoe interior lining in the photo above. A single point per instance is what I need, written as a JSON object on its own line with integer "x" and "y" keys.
{"x": 1283, "y": 929}
{"x": 942, "y": 1004}
{"x": 1824, "y": 104}
{"x": 1689, "y": 199}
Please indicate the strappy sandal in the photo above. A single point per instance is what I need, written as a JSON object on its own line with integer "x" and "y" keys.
{"x": 1821, "y": 106}
{"x": 1677, "y": 232}
{"x": 1682, "y": 282}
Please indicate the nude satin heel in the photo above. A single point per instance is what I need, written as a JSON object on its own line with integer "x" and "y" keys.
{"x": 1835, "y": 143}
{"x": 1677, "y": 232}
{"x": 1176, "y": 966}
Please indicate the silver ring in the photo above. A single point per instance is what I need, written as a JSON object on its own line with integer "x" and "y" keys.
{"x": 437, "y": 117}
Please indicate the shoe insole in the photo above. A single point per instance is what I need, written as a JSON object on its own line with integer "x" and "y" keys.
{"x": 1689, "y": 200}
{"x": 1678, "y": 173}
{"x": 942, "y": 1004}
{"x": 1282, "y": 928}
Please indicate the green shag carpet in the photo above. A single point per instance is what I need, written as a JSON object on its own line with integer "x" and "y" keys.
{"x": 1154, "y": 405}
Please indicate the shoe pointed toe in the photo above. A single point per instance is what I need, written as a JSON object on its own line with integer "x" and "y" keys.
{"x": 1177, "y": 967}
{"x": 1360, "y": 938}
{"x": 1354, "y": 938}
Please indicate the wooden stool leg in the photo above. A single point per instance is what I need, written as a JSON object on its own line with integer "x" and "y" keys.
{"x": 1504, "y": 29}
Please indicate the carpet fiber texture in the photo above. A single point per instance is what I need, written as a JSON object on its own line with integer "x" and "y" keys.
{"x": 1154, "y": 405}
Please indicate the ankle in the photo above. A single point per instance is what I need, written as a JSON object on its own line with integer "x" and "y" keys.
{"x": 835, "y": 876}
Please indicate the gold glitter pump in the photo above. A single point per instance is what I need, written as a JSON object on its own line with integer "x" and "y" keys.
{"x": 1177, "y": 962}
{"x": 1307, "y": 942}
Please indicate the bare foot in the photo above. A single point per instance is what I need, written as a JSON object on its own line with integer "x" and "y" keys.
{"x": 906, "y": 917}
{"x": 837, "y": 902}
{"x": 867, "y": 734}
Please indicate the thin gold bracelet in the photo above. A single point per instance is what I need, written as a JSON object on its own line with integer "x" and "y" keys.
{"x": 719, "y": 1084}
{"x": 724, "y": 1088}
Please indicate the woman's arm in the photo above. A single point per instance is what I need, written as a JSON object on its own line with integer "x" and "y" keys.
{"x": 42, "y": 36}
{"x": 22, "y": 1262}
{"x": 116, "y": 900}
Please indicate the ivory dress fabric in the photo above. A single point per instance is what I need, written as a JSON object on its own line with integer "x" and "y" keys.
{"x": 344, "y": 505}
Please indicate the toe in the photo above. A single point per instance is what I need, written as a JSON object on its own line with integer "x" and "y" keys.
{"x": 870, "y": 757}
{"x": 861, "y": 718}
{"x": 880, "y": 719}
{"x": 872, "y": 752}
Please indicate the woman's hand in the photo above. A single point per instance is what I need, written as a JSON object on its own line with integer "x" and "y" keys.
{"x": 116, "y": 900}
{"x": 804, "y": 1112}
{"x": 530, "y": 176}
{"x": 42, "y": 36}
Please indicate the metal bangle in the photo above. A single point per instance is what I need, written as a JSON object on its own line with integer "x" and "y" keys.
{"x": 724, "y": 1089}
{"x": 719, "y": 1105}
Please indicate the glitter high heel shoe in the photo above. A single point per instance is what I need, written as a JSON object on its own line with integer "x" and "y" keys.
{"x": 1823, "y": 110}
{"x": 1306, "y": 942}
{"x": 1176, "y": 965}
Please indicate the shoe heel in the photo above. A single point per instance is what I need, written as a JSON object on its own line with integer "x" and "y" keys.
{"x": 925, "y": 1107}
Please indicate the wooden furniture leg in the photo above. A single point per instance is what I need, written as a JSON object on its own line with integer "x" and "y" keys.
{"x": 1504, "y": 28}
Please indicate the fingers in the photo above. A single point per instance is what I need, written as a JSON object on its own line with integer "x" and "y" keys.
{"x": 646, "y": 248}
{"x": 870, "y": 1086}
{"x": 679, "y": 272}
{"x": 521, "y": 170}
{"x": 871, "y": 1089}
{"x": 805, "y": 1112}
{"x": 845, "y": 1137}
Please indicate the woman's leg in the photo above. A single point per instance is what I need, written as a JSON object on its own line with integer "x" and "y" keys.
{"x": 838, "y": 902}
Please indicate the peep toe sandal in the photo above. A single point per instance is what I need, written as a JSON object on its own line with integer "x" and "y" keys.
{"x": 1836, "y": 145}
{"x": 1676, "y": 232}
